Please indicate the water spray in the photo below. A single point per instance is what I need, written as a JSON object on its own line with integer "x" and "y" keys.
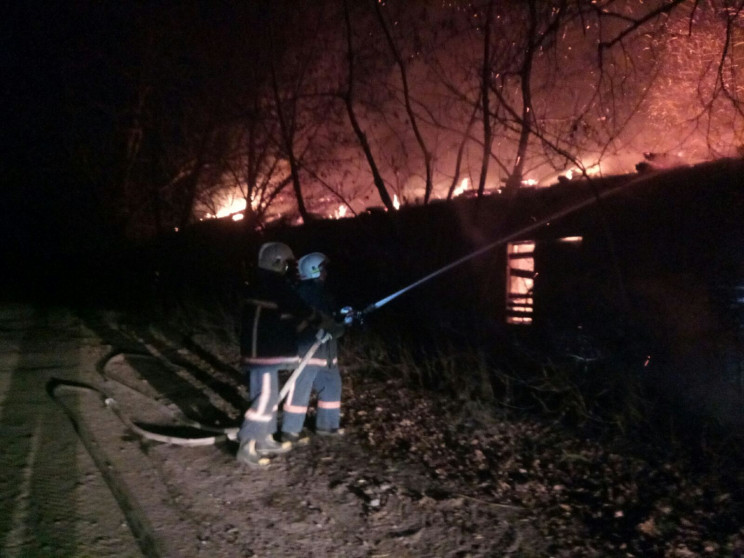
{"x": 499, "y": 242}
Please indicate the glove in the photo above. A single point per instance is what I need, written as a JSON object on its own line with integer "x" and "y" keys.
{"x": 332, "y": 327}
{"x": 337, "y": 330}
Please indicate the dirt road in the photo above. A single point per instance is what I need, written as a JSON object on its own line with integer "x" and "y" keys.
{"x": 54, "y": 500}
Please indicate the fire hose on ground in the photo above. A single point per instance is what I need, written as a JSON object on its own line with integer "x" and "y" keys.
{"x": 187, "y": 432}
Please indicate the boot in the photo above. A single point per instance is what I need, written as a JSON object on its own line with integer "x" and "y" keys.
{"x": 269, "y": 446}
{"x": 331, "y": 432}
{"x": 296, "y": 438}
{"x": 248, "y": 455}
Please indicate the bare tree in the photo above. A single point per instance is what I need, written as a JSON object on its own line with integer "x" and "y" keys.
{"x": 176, "y": 124}
{"x": 252, "y": 163}
{"x": 407, "y": 102}
{"x": 348, "y": 98}
{"x": 485, "y": 97}
{"x": 428, "y": 94}
{"x": 287, "y": 126}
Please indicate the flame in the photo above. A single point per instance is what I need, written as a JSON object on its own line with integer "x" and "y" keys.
{"x": 340, "y": 213}
{"x": 520, "y": 282}
{"x": 233, "y": 206}
{"x": 396, "y": 201}
{"x": 589, "y": 170}
{"x": 464, "y": 185}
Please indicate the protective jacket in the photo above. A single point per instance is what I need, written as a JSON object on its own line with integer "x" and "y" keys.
{"x": 314, "y": 293}
{"x": 273, "y": 316}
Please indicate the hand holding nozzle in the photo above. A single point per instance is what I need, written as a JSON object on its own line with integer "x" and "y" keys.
{"x": 351, "y": 316}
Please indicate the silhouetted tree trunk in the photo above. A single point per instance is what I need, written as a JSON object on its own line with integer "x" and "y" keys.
{"x": 429, "y": 184}
{"x": 460, "y": 151}
{"x": 348, "y": 98}
{"x": 192, "y": 181}
{"x": 485, "y": 92}
{"x": 287, "y": 133}
{"x": 514, "y": 180}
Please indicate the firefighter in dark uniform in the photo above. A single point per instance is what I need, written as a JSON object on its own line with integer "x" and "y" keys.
{"x": 321, "y": 373}
{"x": 273, "y": 318}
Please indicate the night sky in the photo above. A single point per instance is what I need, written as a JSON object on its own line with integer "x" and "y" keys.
{"x": 47, "y": 69}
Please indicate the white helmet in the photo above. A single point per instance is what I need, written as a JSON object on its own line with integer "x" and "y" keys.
{"x": 311, "y": 265}
{"x": 275, "y": 256}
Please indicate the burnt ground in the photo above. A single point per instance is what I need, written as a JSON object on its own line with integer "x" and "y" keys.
{"x": 416, "y": 474}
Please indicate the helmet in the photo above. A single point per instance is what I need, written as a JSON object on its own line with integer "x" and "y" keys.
{"x": 275, "y": 256}
{"x": 311, "y": 265}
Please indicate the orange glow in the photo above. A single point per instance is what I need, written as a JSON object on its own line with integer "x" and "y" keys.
{"x": 464, "y": 186}
{"x": 340, "y": 213}
{"x": 520, "y": 281}
{"x": 229, "y": 204}
{"x": 233, "y": 206}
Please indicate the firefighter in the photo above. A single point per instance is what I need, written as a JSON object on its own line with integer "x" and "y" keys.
{"x": 322, "y": 372}
{"x": 272, "y": 319}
